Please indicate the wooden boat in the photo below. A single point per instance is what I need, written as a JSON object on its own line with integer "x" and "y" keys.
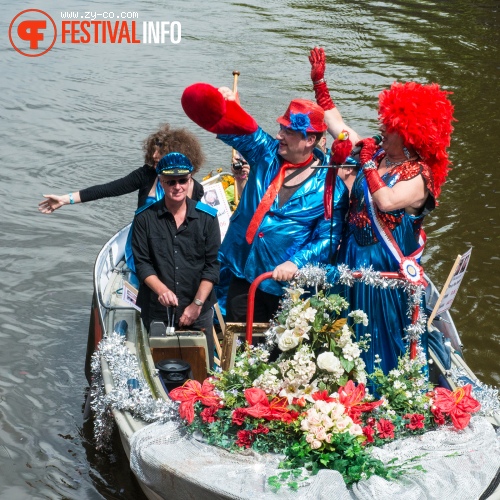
{"x": 109, "y": 309}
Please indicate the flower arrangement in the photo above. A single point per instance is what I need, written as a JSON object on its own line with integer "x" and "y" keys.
{"x": 227, "y": 182}
{"x": 303, "y": 394}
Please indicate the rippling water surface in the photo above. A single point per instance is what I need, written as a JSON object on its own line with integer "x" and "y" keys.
{"x": 77, "y": 116}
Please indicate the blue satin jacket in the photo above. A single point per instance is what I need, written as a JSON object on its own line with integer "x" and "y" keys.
{"x": 297, "y": 231}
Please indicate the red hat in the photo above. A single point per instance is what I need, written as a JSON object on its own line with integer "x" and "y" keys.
{"x": 304, "y": 116}
{"x": 206, "y": 106}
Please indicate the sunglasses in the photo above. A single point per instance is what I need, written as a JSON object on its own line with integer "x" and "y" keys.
{"x": 174, "y": 182}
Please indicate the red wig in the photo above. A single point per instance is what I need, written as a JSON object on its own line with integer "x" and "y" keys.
{"x": 422, "y": 116}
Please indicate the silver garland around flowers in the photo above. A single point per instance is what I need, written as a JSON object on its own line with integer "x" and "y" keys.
{"x": 487, "y": 395}
{"x": 310, "y": 276}
{"x": 374, "y": 278}
{"x": 131, "y": 392}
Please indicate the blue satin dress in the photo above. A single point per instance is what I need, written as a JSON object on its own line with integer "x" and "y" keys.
{"x": 297, "y": 231}
{"x": 387, "y": 309}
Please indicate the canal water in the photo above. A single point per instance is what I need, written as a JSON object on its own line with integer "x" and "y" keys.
{"x": 77, "y": 115}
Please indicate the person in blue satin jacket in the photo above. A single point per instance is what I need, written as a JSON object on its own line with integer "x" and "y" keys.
{"x": 280, "y": 223}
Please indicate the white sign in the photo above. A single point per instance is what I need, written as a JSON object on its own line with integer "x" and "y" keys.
{"x": 215, "y": 197}
{"x": 129, "y": 295}
{"x": 456, "y": 279}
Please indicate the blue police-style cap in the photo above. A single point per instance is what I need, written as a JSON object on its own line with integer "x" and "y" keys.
{"x": 174, "y": 164}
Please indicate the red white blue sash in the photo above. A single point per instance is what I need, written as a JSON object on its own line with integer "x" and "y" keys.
{"x": 408, "y": 266}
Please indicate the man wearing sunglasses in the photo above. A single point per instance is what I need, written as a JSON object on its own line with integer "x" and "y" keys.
{"x": 175, "y": 243}
{"x": 284, "y": 219}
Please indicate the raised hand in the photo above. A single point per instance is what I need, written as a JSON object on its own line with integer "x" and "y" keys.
{"x": 317, "y": 58}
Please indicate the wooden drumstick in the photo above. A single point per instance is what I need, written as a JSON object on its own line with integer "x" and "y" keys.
{"x": 236, "y": 74}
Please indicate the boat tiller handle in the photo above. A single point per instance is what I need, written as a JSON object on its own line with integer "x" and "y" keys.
{"x": 251, "y": 302}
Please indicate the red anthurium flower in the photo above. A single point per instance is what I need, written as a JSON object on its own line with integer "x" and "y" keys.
{"x": 191, "y": 392}
{"x": 322, "y": 396}
{"x": 416, "y": 421}
{"x": 351, "y": 397}
{"x": 385, "y": 429}
{"x": 459, "y": 404}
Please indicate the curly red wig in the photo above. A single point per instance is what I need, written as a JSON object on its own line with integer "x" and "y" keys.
{"x": 422, "y": 116}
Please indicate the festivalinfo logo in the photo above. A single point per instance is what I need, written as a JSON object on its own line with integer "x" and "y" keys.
{"x": 33, "y": 32}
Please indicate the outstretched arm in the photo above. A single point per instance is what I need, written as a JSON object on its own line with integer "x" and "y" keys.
{"x": 53, "y": 201}
{"x": 333, "y": 118}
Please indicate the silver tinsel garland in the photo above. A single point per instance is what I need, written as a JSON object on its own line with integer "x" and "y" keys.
{"x": 130, "y": 393}
{"x": 488, "y": 396}
{"x": 374, "y": 278}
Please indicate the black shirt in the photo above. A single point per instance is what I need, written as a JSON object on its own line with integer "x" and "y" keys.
{"x": 179, "y": 257}
{"x": 141, "y": 179}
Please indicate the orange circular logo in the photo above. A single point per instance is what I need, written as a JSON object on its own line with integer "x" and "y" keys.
{"x": 32, "y": 32}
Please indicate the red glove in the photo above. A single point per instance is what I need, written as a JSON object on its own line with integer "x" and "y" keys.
{"x": 206, "y": 106}
{"x": 317, "y": 58}
{"x": 368, "y": 148}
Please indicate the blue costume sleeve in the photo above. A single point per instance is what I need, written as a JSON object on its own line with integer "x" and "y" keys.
{"x": 259, "y": 149}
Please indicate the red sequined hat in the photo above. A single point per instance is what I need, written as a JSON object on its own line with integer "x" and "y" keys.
{"x": 304, "y": 116}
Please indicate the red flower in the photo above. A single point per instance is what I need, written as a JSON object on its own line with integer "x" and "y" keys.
{"x": 368, "y": 431}
{"x": 299, "y": 402}
{"x": 351, "y": 397}
{"x": 261, "y": 429}
{"x": 416, "y": 421}
{"x": 458, "y": 404}
{"x": 438, "y": 416}
{"x": 260, "y": 407}
{"x": 322, "y": 396}
{"x": 239, "y": 415}
{"x": 191, "y": 392}
{"x": 208, "y": 414}
{"x": 385, "y": 429}
{"x": 245, "y": 439}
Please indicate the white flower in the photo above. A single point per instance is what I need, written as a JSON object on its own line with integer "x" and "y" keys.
{"x": 288, "y": 341}
{"x": 329, "y": 362}
{"x": 316, "y": 444}
{"x": 351, "y": 351}
{"x": 359, "y": 316}
{"x": 397, "y": 384}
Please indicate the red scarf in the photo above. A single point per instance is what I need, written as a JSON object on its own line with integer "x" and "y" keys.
{"x": 269, "y": 197}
